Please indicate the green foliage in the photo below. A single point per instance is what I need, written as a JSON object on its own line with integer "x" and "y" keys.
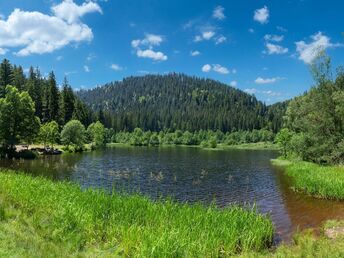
{"x": 49, "y": 133}
{"x": 136, "y": 226}
{"x": 74, "y": 135}
{"x": 5, "y": 76}
{"x": 18, "y": 122}
{"x": 283, "y": 139}
{"x": 96, "y": 131}
{"x": 207, "y": 139}
{"x": 317, "y": 118}
{"x": 50, "y": 103}
{"x": 320, "y": 181}
{"x": 179, "y": 102}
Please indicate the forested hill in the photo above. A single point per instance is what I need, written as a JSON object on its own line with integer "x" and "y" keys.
{"x": 177, "y": 101}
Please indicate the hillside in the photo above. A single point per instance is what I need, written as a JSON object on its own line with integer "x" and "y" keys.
{"x": 177, "y": 101}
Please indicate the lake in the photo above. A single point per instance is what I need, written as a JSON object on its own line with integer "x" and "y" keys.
{"x": 189, "y": 174}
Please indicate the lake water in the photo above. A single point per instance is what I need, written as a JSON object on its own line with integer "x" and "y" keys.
{"x": 192, "y": 175}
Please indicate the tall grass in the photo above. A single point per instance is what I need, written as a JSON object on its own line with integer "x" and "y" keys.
{"x": 320, "y": 181}
{"x": 132, "y": 225}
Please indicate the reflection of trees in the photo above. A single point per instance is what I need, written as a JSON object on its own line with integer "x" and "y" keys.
{"x": 305, "y": 211}
{"x": 57, "y": 167}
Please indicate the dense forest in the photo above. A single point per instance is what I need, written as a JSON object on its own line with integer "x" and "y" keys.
{"x": 50, "y": 103}
{"x": 180, "y": 102}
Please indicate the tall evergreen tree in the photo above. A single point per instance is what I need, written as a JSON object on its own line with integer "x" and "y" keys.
{"x": 51, "y": 99}
{"x": 18, "y": 78}
{"x": 5, "y": 76}
{"x": 34, "y": 85}
{"x": 67, "y": 102}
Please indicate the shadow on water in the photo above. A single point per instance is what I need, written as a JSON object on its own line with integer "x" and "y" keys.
{"x": 192, "y": 175}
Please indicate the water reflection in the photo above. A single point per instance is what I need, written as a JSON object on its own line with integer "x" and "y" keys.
{"x": 190, "y": 175}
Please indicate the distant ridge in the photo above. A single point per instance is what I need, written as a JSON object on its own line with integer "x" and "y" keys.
{"x": 177, "y": 101}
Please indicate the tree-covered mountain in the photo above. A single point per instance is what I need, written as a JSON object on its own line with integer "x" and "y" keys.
{"x": 176, "y": 101}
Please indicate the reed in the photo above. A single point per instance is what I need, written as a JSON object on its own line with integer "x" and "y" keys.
{"x": 319, "y": 181}
{"x": 96, "y": 223}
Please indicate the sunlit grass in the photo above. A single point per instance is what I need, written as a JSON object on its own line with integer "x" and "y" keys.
{"x": 61, "y": 215}
{"x": 319, "y": 181}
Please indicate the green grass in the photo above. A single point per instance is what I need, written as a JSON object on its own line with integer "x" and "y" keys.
{"x": 220, "y": 146}
{"x": 251, "y": 146}
{"x": 42, "y": 218}
{"x": 319, "y": 181}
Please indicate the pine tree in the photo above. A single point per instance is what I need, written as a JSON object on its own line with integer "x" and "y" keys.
{"x": 5, "y": 76}
{"x": 51, "y": 100}
{"x": 35, "y": 88}
{"x": 18, "y": 78}
{"x": 67, "y": 102}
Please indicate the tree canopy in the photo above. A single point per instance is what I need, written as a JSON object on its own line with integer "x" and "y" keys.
{"x": 18, "y": 122}
{"x": 316, "y": 118}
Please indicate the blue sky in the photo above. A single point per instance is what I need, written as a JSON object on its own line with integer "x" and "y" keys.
{"x": 262, "y": 47}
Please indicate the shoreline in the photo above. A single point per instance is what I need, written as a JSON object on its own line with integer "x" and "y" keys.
{"x": 326, "y": 182}
{"x": 245, "y": 146}
{"x": 81, "y": 228}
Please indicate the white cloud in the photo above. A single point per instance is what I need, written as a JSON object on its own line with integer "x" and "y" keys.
{"x": 149, "y": 53}
{"x": 218, "y": 13}
{"x": 233, "y": 83}
{"x": 38, "y": 33}
{"x": 276, "y": 38}
{"x": 216, "y": 68}
{"x": 220, "y": 39}
{"x": 59, "y": 58}
{"x": 116, "y": 67}
{"x": 90, "y": 57}
{"x": 3, "y": 51}
{"x": 250, "y": 30}
{"x": 275, "y": 49}
{"x": 195, "y": 53}
{"x": 261, "y": 15}
{"x": 261, "y": 80}
{"x": 309, "y": 51}
{"x": 206, "y": 68}
{"x": 280, "y": 28}
{"x": 150, "y": 40}
{"x": 87, "y": 69}
{"x": 251, "y": 91}
{"x": 71, "y": 12}
{"x": 198, "y": 38}
{"x": 220, "y": 69}
{"x": 269, "y": 93}
{"x": 208, "y": 34}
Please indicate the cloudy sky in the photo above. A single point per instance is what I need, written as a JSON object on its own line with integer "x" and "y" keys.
{"x": 262, "y": 47}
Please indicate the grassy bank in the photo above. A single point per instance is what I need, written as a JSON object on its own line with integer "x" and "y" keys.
{"x": 319, "y": 181}
{"x": 47, "y": 219}
{"x": 244, "y": 146}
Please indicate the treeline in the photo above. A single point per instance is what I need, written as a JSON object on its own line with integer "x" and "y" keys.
{"x": 19, "y": 124}
{"x": 179, "y": 102}
{"x": 205, "y": 138}
{"x": 50, "y": 103}
{"x": 314, "y": 122}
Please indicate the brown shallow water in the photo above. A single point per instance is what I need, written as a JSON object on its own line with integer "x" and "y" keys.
{"x": 226, "y": 177}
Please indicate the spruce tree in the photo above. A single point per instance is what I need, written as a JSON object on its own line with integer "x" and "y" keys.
{"x": 5, "y": 76}
{"x": 67, "y": 101}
